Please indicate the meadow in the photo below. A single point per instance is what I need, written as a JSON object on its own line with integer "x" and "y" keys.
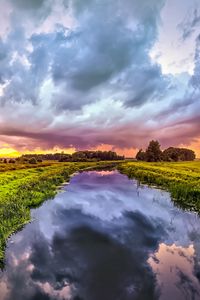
{"x": 24, "y": 186}
{"x": 181, "y": 179}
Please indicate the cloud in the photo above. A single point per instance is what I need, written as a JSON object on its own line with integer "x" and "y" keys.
{"x": 195, "y": 80}
{"x": 100, "y": 53}
{"x": 36, "y": 9}
{"x": 28, "y": 4}
{"x": 190, "y": 24}
{"x": 106, "y": 51}
{"x": 92, "y": 82}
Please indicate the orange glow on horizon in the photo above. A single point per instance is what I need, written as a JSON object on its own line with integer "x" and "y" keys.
{"x": 8, "y": 151}
{"x": 11, "y": 152}
{"x": 127, "y": 152}
{"x": 195, "y": 146}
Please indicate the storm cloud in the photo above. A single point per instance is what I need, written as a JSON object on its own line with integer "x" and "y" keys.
{"x": 80, "y": 74}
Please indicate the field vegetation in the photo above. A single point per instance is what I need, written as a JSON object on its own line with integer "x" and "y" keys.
{"x": 23, "y": 165}
{"x": 181, "y": 179}
{"x": 26, "y": 185}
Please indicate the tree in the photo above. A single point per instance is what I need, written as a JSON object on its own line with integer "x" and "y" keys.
{"x": 141, "y": 155}
{"x": 187, "y": 154}
{"x": 178, "y": 154}
{"x": 12, "y": 161}
{"x": 39, "y": 160}
{"x": 32, "y": 160}
{"x": 153, "y": 152}
{"x": 79, "y": 156}
{"x": 170, "y": 154}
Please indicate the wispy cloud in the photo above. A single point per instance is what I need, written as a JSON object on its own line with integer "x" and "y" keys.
{"x": 190, "y": 24}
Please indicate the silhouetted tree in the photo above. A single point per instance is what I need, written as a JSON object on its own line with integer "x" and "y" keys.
{"x": 178, "y": 154}
{"x": 77, "y": 156}
{"x": 32, "y": 160}
{"x": 12, "y": 161}
{"x": 39, "y": 160}
{"x": 141, "y": 155}
{"x": 153, "y": 152}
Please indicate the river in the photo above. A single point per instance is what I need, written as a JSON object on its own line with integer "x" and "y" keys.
{"x": 105, "y": 237}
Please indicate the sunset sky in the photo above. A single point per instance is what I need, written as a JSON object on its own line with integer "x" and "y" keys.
{"x": 99, "y": 74}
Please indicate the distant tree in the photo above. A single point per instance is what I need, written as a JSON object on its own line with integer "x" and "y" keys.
{"x": 178, "y": 154}
{"x": 12, "y": 161}
{"x": 153, "y": 152}
{"x": 141, "y": 155}
{"x": 171, "y": 154}
{"x": 39, "y": 160}
{"x": 95, "y": 155}
{"x": 5, "y": 161}
{"x": 77, "y": 156}
{"x": 32, "y": 161}
{"x": 65, "y": 158}
{"x": 188, "y": 155}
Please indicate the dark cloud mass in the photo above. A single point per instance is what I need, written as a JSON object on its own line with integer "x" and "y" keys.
{"x": 195, "y": 80}
{"x": 35, "y": 9}
{"x": 28, "y": 4}
{"x": 66, "y": 65}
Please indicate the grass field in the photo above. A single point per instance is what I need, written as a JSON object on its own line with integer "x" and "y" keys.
{"x": 19, "y": 166}
{"x": 24, "y": 186}
{"x": 181, "y": 179}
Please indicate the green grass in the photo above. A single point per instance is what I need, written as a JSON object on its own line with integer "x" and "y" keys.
{"x": 26, "y": 186}
{"x": 181, "y": 179}
{"x": 18, "y": 166}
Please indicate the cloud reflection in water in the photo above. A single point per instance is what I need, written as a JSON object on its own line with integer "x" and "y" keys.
{"x": 104, "y": 237}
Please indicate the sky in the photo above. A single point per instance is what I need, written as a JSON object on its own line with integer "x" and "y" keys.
{"x": 99, "y": 74}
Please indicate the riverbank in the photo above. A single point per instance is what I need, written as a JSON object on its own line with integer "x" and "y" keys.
{"x": 24, "y": 187}
{"x": 181, "y": 179}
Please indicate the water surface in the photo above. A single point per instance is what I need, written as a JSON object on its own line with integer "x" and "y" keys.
{"x": 104, "y": 237}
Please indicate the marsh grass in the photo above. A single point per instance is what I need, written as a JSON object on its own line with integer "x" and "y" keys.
{"x": 181, "y": 179}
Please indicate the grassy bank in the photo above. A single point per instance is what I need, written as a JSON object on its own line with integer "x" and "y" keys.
{"x": 20, "y": 166}
{"x": 181, "y": 179}
{"x": 26, "y": 186}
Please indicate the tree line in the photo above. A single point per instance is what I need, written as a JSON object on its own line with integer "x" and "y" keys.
{"x": 79, "y": 156}
{"x": 154, "y": 153}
